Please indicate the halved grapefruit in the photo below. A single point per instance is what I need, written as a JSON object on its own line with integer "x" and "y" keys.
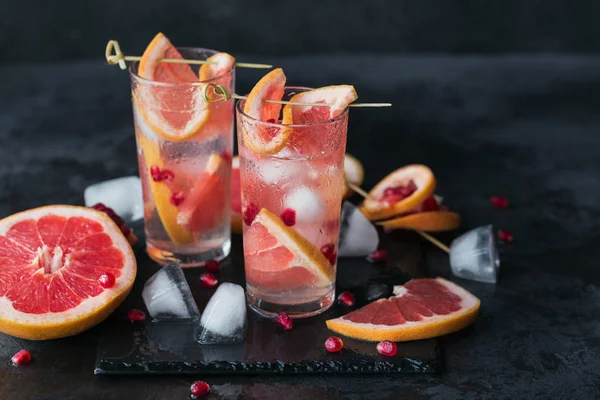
{"x": 399, "y": 192}
{"x": 50, "y": 261}
{"x": 258, "y": 138}
{"x": 278, "y": 257}
{"x": 172, "y": 113}
{"x": 421, "y": 309}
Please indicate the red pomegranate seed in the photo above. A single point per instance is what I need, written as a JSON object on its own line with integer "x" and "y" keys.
{"x": 99, "y": 207}
{"x": 389, "y": 191}
{"x": 333, "y": 344}
{"x": 208, "y": 280}
{"x": 199, "y": 389}
{"x": 505, "y": 236}
{"x": 125, "y": 229}
{"x": 288, "y": 216}
{"x": 393, "y": 199}
{"x": 332, "y": 258}
{"x": 328, "y": 250}
{"x": 284, "y": 321}
{"x": 499, "y": 201}
{"x": 250, "y": 213}
{"x": 167, "y": 175}
{"x": 387, "y": 348}
{"x": 212, "y": 266}
{"x": 22, "y": 357}
{"x": 155, "y": 173}
{"x": 271, "y": 120}
{"x": 225, "y": 155}
{"x": 136, "y": 315}
{"x": 177, "y": 198}
{"x": 430, "y": 204}
{"x": 378, "y": 256}
{"x": 107, "y": 280}
{"x": 346, "y": 298}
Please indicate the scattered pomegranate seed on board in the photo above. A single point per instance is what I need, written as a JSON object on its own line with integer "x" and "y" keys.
{"x": 284, "y": 321}
{"x": 212, "y": 266}
{"x": 346, "y": 298}
{"x": 136, "y": 315}
{"x": 499, "y": 201}
{"x": 199, "y": 389}
{"x": 21, "y": 357}
{"x": 505, "y": 236}
{"x": 208, "y": 280}
{"x": 333, "y": 344}
{"x": 387, "y": 348}
{"x": 378, "y": 256}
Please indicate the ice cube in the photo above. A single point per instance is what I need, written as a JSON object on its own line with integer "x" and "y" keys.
{"x": 474, "y": 256}
{"x": 123, "y": 195}
{"x": 279, "y": 172}
{"x": 358, "y": 236}
{"x": 167, "y": 295}
{"x": 224, "y": 318}
{"x": 306, "y": 203}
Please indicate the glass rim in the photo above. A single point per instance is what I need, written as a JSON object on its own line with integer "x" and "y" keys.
{"x": 200, "y": 83}
{"x": 276, "y": 124}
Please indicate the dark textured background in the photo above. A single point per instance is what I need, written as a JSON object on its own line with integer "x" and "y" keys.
{"x": 521, "y": 120}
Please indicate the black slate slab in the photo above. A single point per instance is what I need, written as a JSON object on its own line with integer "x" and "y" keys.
{"x": 170, "y": 347}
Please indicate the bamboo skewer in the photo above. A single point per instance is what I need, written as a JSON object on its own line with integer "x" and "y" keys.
{"x": 119, "y": 58}
{"x": 427, "y": 236}
{"x": 300, "y": 103}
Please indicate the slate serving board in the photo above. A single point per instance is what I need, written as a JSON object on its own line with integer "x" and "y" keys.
{"x": 169, "y": 347}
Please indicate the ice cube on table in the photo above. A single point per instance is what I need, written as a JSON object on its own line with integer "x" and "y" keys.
{"x": 224, "y": 318}
{"x": 306, "y": 203}
{"x": 167, "y": 295}
{"x": 474, "y": 255}
{"x": 123, "y": 195}
{"x": 358, "y": 236}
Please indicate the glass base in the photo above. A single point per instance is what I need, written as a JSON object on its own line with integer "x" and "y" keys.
{"x": 189, "y": 260}
{"x": 303, "y": 310}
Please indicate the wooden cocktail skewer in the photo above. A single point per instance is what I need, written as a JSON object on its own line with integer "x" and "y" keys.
{"x": 300, "y": 103}
{"x": 427, "y": 236}
{"x": 119, "y": 58}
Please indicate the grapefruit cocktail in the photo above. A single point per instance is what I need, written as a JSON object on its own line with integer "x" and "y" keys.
{"x": 292, "y": 182}
{"x": 184, "y": 144}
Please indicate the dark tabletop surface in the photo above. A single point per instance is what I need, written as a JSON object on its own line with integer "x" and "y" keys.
{"x": 523, "y": 127}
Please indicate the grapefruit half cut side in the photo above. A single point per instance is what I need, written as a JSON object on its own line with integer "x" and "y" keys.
{"x": 378, "y": 205}
{"x": 278, "y": 257}
{"x": 50, "y": 261}
{"x": 421, "y": 309}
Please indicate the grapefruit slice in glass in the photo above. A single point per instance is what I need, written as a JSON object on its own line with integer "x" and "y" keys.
{"x": 261, "y": 139}
{"x": 278, "y": 257}
{"x": 223, "y": 63}
{"x": 174, "y": 113}
{"x": 50, "y": 261}
{"x": 421, "y": 309}
{"x": 380, "y": 205}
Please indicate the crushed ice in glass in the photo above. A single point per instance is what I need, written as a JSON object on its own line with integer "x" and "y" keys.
{"x": 123, "y": 195}
{"x": 358, "y": 236}
{"x": 167, "y": 295}
{"x": 474, "y": 256}
{"x": 224, "y": 318}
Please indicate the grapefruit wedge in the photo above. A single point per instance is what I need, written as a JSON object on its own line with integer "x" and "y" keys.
{"x": 223, "y": 63}
{"x": 428, "y": 221}
{"x": 401, "y": 191}
{"x": 171, "y": 112}
{"x": 50, "y": 261}
{"x": 278, "y": 257}
{"x": 421, "y": 309}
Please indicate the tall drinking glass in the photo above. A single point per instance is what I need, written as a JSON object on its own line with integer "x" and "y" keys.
{"x": 291, "y": 203}
{"x": 184, "y": 145}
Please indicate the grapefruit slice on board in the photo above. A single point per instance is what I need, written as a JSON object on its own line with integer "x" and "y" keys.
{"x": 278, "y": 257}
{"x": 262, "y": 139}
{"x": 421, "y": 309}
{"x": 390, "y": 196}
{"x": 172, "y": 113}
{"x": 428, "y": 221}
{"x": 50, "y": 261}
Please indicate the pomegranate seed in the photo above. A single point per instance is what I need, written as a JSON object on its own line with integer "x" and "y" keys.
{"x": 212, "y": 266}
{"x": 107, "y": 280}
{"x": 389, "y": 191}
{"x": 387, "y": 348}
{"x": 155, "y": 173}
{"x": 136, "y": 315}
{"x": 177, "y": 198}
{"x": 125, "y": 230}
{"x": 333, "y": 344}
{"x": 199, "y": 389}
{"x": 271, "y": 120}
{"x": 284, "y": 321}
{"x": 288, "y": 216}
{"x": 505, "y": 236}
{"x": 328, "y": 250}
{"x": 167, "y": 175}
{"x": 22, "y": 357}
{"x": 393, "y": 199}
{"x": 250, "y": 213}
{"x": 208, "y": 280}
{"x": 430, "y": 204}
{"x": 99, "y": 207}
{"x": 378, "y": 256}
{"x": 346, "y": 298}
{"x": 499, "y": 201}
{"x": 225, "y": 155}
{"x": 332, "y": 258}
